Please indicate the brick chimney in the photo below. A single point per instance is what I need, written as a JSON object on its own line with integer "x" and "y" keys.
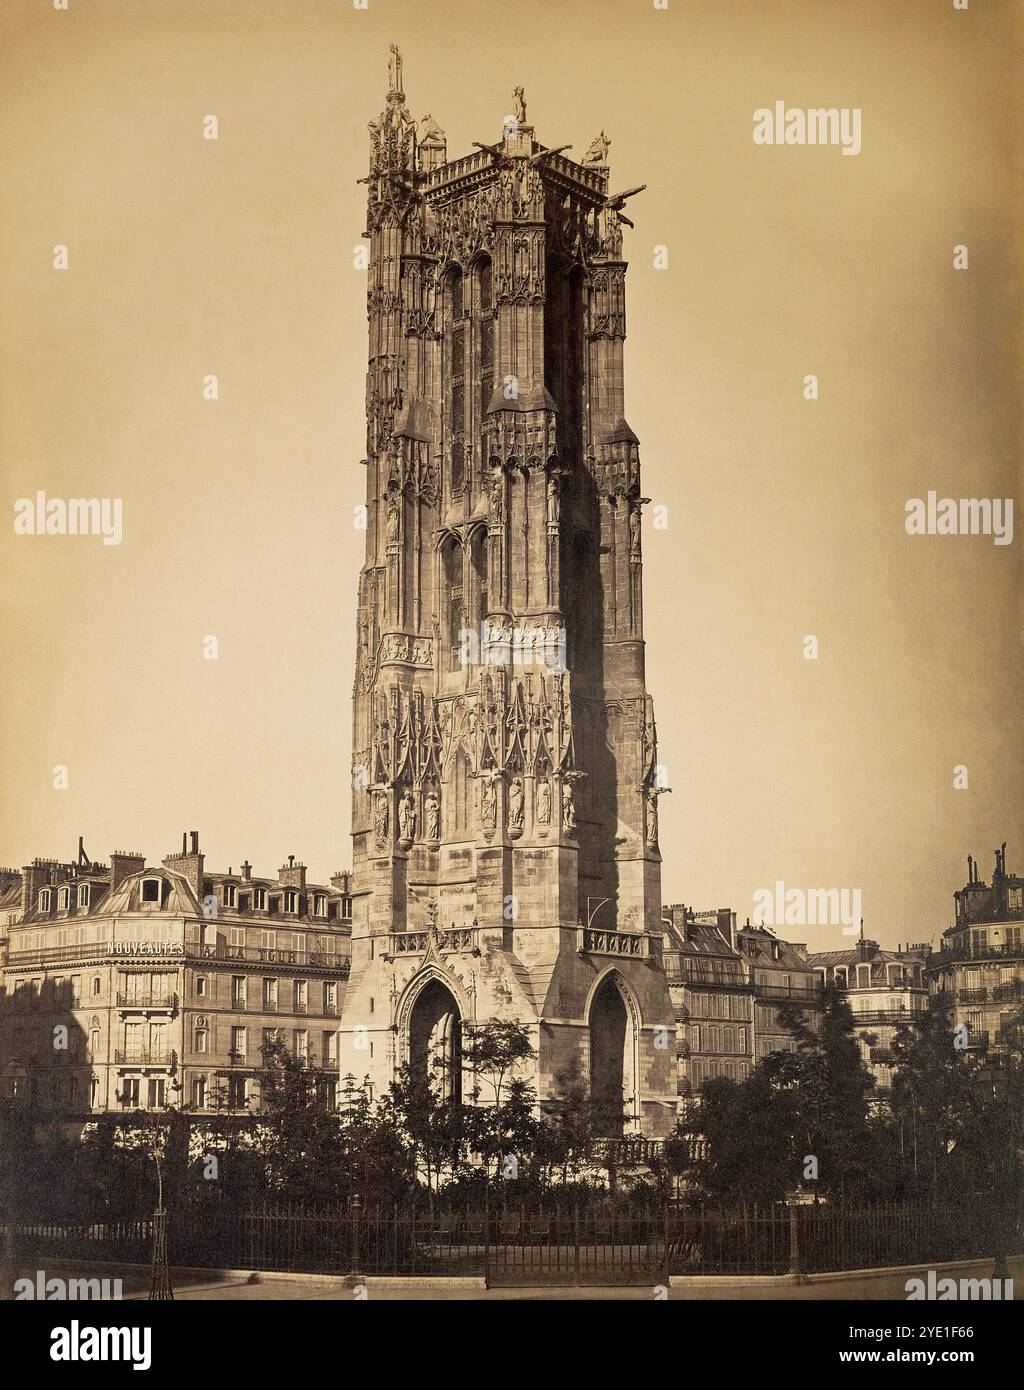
{"x": 124, "y": 863}
{"x": 34, "y": 877}
{"x": 189, "y": 863}
{"x": 292, "y": 874}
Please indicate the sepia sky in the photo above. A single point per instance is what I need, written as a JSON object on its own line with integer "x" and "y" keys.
{"x": 785, "y": 516}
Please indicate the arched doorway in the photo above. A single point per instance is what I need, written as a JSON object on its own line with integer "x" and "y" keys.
{"x": 435, "y": 1040}
{"x": 611, "y": 1052}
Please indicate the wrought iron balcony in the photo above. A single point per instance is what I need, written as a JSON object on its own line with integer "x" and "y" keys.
{"x": 972, "y": 996}
{"x": 148, "y": 1001}
{"x": 951, "y": 955}
{"x": 1010, "y": 991}
{"x": 890, "y": 1017}
{"x": 798, "y": 994}
{"x": 146, "y": 1056}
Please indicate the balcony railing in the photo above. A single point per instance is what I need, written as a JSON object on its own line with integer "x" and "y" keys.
{"x": 55, "y": 955}
{"x": 972, "y": 996}
{"x": 952, "y": 954}
{"x": 453, "y": 940}
{"x": 800, "y": 994}
{"x": 887, "y": 1016}
{"x": 267, "y": 955}
{"x": 145, "y": 1056}
{"x": 147, "y": 1001}
{"x": 1009, "y": 992}
{"x": 598, "y": 942}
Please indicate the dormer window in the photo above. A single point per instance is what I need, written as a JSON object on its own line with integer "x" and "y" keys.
{"x": 346, "y": 906}
{"x": 259, "y": 899}
{"x": 44, "y": 900}
{"x": 291, "y": 900}
{"x": 84, "y": 894}
{"x": 63, "y": 899}
{"x": 150, "y": 890}
{"x": 230, "y": 895}
{"x": 319, "y": 905}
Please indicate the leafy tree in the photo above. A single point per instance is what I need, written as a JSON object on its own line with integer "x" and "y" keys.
{"x": 934, "y": 1099}
{"x": 299, "y": 1137}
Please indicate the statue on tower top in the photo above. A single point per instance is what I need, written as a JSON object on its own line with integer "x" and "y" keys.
{"x": 395, "y": 72}
{"x": 597, "y": 152}
{"x": 519, "y": 96}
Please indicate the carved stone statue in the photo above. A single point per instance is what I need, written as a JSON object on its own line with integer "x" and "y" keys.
{"x": 519, "y": 97}
{"x": 432, "y": 816}
{"x": 380, "y": 818}
{"x": 406, "y": 817}
{"x": 430, "y": 132}
{"x": 568, "y": 807}
{"x": 497, "y": 497}
{"x": 552, "y": 498}
{"x": 392, "y": 520}
{"x": 634, "y": 529}
{"x": 515, "y": 804}
{"x": 395, "y": 69}
{"x": 544, "y": 802}
{"x": 652, "y": 815}
{"x": 488, "y": 804}
{"x": 597, "y": 151}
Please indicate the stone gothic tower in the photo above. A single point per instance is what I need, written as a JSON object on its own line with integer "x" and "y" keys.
{"x": 505, "y": 781}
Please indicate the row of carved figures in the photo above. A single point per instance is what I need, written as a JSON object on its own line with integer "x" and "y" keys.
{"x": 409, "y": 818}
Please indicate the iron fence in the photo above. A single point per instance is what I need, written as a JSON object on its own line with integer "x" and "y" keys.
{"x": 519, "y": 1246}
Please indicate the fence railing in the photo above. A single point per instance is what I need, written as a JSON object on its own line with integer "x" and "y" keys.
{"x": 565, "y": 1246}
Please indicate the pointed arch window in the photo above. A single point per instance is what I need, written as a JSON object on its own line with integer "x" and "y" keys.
{"x": 485, "y": 331}
{"x": 457, "y": 798}
{"x": 455, "y": 353}
{"x": 454, "y": 600}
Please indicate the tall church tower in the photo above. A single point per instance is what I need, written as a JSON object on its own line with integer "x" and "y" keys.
{"x": 505, "y": 780}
